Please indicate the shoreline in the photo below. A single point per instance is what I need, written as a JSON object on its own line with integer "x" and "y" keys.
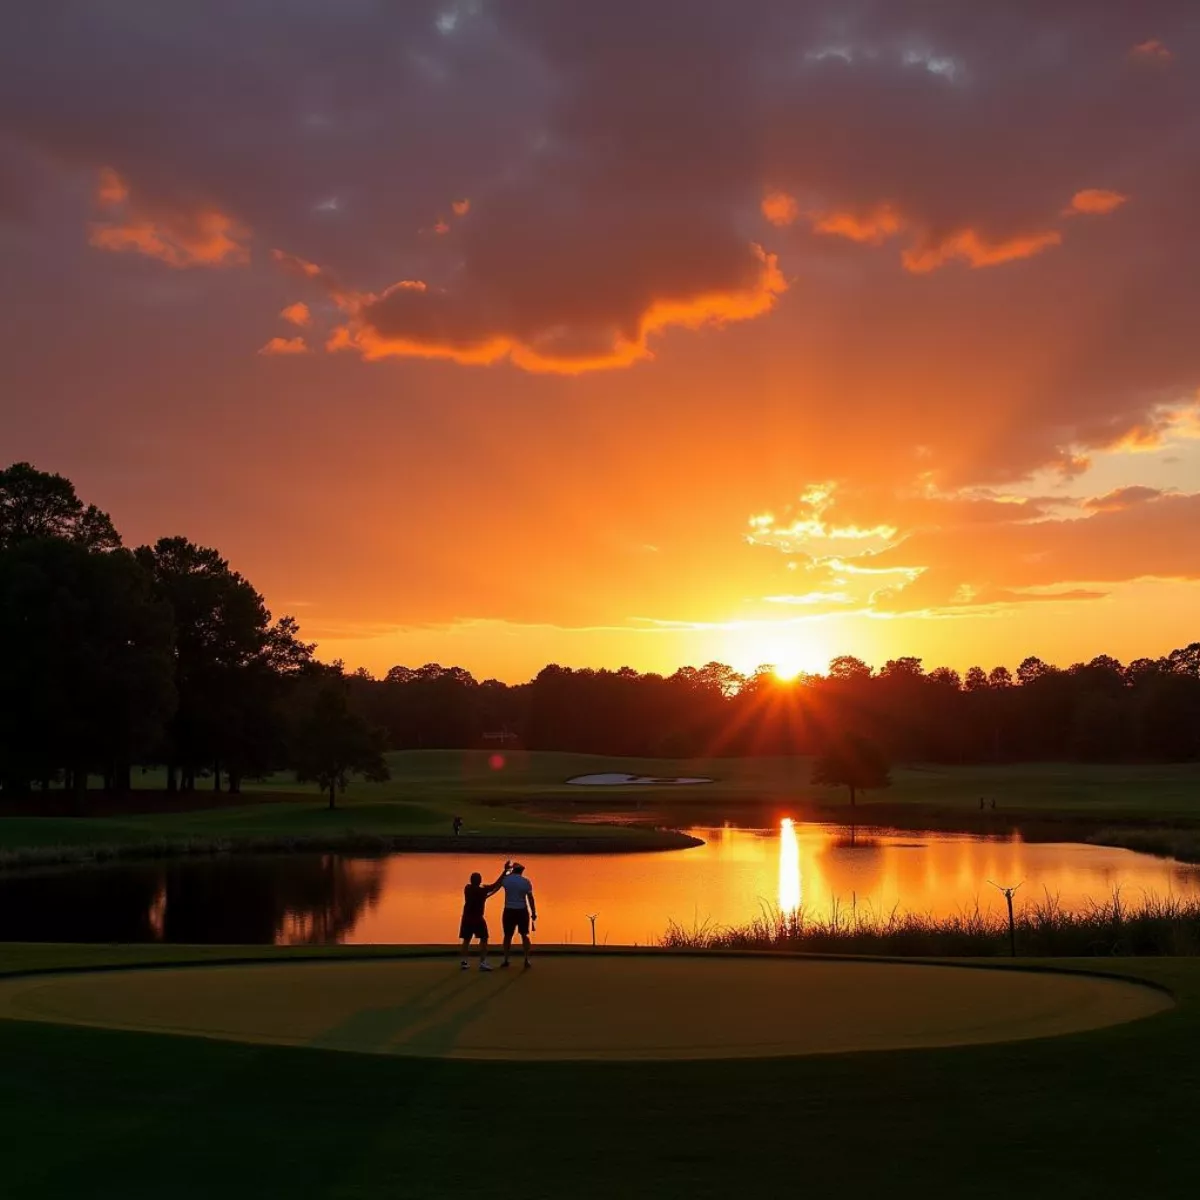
{"x": 648, "y": 841}
{"x": 1164, "y": 837}
{"x": 637, "y": 830}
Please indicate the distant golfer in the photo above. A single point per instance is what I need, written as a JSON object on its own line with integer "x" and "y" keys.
{"x": 519, "y": 908}
{"x": 473, "y": 923}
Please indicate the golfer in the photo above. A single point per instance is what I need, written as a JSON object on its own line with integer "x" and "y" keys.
{"x": 473, "y": 923}
{"x": 519, "y": 908}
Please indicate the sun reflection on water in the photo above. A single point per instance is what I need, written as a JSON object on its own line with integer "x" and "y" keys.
{"x": 789, "y": 867}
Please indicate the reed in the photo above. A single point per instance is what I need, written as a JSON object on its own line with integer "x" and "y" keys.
{"x": 1154, "y": 926}
{"x": 1183, "y": 844}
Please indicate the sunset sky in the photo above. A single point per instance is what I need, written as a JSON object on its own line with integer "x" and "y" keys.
{"x": 500, "y": 332}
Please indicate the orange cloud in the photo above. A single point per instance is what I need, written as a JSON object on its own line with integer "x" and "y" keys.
{"x": 441, "y": 227}
{"x": 297, "y": 314}
{"x": 1122, "y": 498}
{"x": 278, "y": 345}
{"x": 461, "y": 207}
{"x": 1151, "y": 51}
{"x": 1163, "y": 423}
{"x": 873, "y": 227}
{"x": 301, "y": 268}
{"x": 977, "y": 251}
{"x": 297, "y": 265}
{"x": 779, "y": 208}
{"x": 206, "y": 239}
{"x": 379, "y": 326}
{"x": 203, "y": 237}
{"x": 110, "y": 188}
{"x": 884, "y": 221}
{"x": 1094, "y": 200}
{"x": 1132, "y": 533}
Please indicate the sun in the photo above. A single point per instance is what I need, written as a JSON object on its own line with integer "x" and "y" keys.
{"x": 790, "y": 648}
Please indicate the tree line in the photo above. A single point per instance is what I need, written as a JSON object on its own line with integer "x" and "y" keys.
{"x": 1098, "y": 711}
{"x": 113, "y": 659}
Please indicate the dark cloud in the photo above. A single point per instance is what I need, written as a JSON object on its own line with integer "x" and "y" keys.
{"x": 615, "y": 158}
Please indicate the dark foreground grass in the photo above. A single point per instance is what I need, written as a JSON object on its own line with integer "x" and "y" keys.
{"x": 1043, "y": 929}
{"x": 105, "y": 1113}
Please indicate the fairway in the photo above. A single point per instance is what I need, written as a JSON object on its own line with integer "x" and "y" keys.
{"x": 583, "y": 1007}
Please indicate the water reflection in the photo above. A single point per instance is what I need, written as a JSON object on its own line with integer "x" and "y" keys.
{"x": 791, "y": 894}
{"x": 308, "y": 899}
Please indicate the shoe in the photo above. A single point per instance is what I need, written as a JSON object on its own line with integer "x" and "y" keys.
{"x": 528, "y": 966}
{"x": 465, "y": 965}
{"x": 504, "y": 965}
{"x": 485, "y": 966}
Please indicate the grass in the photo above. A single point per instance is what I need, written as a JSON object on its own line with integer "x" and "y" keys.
{"x": 1183, "y": 844}
{"x": 1156, "y": 926}
{"x": 112, "y": 1114}
{"x": 593, "y": 1005}
{"x": 529, "y": 797}
{"x": 413, "y": 811}
{"x": 440, "y": 779}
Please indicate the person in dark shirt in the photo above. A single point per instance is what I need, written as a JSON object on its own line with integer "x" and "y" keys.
{"x": 473, "y": 923}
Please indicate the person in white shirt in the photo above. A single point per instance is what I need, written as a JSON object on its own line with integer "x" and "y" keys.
{"x": 519, "y": 908}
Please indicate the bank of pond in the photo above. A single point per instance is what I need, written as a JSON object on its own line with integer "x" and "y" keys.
{"x": 794, "y": 886}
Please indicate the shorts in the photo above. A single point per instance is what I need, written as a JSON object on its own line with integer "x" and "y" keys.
{"x": 516, "y": 920}
{"x": 473, "y": 927}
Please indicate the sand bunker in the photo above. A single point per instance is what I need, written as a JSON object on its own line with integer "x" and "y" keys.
{"x": 618, "y": 779}
{"x": 582, "y": 1006}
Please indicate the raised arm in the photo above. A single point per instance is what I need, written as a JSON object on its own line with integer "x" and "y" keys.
{"x": 493, "y": 888}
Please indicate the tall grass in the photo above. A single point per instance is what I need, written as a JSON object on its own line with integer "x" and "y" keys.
{"x": 1183, "y": 844}
{"x": 1155, "y": 926}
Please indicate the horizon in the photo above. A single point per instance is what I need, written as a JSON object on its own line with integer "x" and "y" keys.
{"x": 503, "y": 335}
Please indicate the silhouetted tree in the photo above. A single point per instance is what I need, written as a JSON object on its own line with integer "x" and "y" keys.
{"x": 85, "y": 665}
{"x": 36, "y": 504}
{"x": 976, "y": 680}
{"x": 852, "y": 762}
{"x": 333, "y": 743}
{"x": 228, "y": 656}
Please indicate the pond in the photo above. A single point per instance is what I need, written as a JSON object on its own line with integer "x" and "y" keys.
{"x": 407, "y": 898}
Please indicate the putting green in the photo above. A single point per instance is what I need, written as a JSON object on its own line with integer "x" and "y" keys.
{"x": 587, "y": 1007}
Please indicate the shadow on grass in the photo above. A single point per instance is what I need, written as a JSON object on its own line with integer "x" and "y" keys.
{"x": 427, "y": 1024}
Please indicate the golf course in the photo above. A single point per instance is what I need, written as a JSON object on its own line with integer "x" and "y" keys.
{"x": 356, "y": 1071}
{"x": 525, "y": 801}
{"x": 600, "y": 600}
{"x": 229, "y": 1071}
{"x": 605, "y": 1007}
